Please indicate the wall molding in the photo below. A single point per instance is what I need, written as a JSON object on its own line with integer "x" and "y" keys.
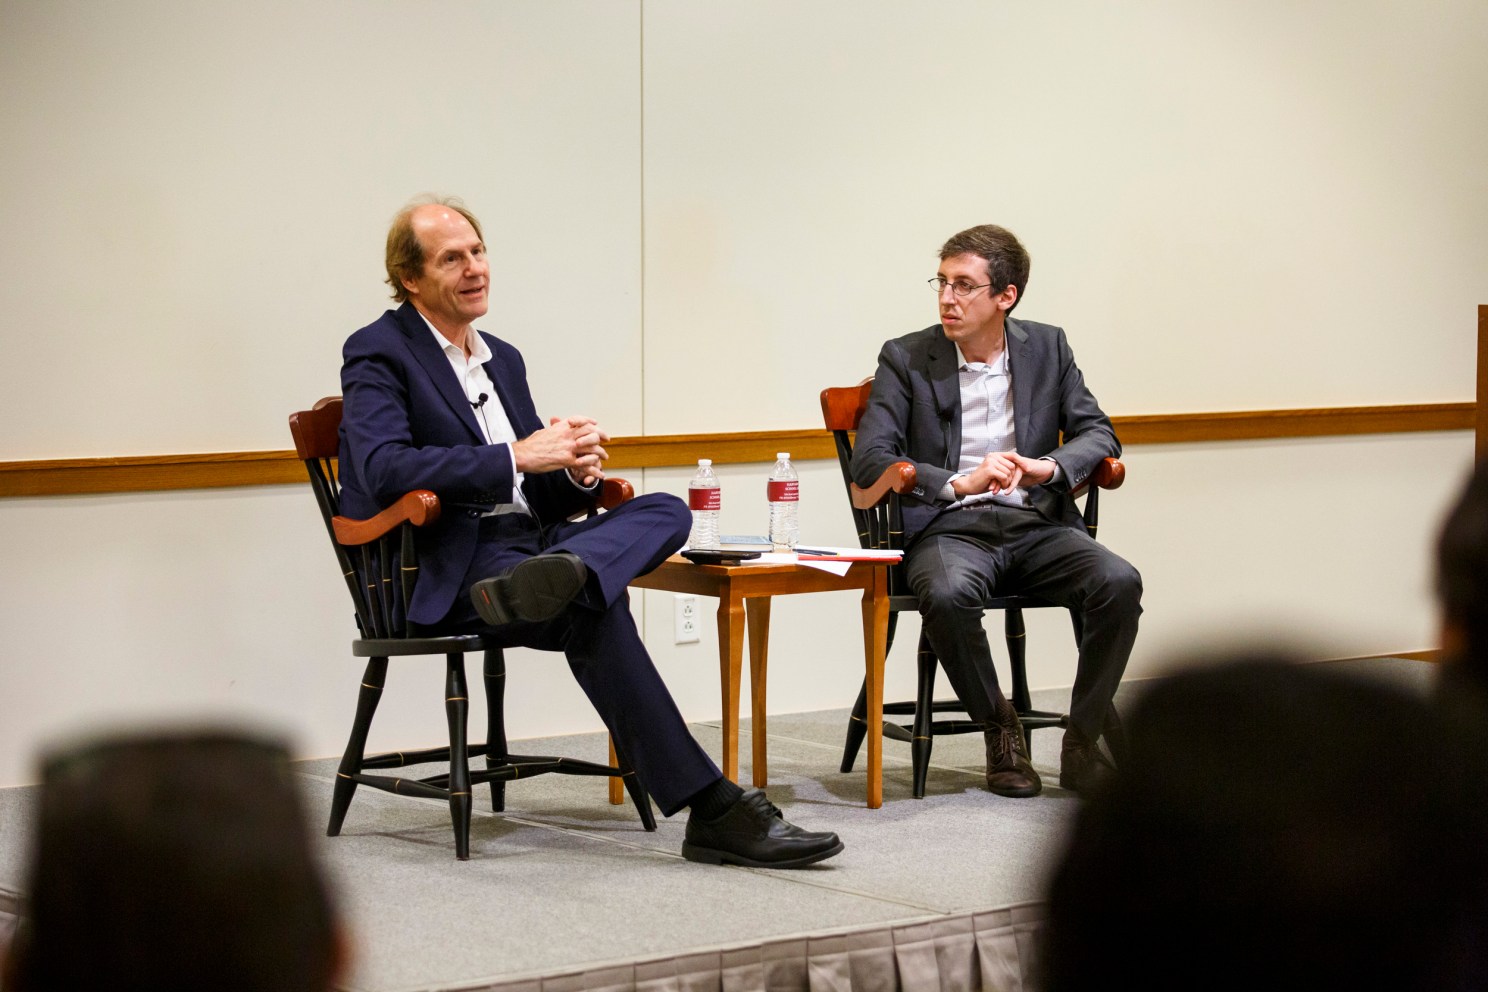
{"x": 1431, "y": 656}
{"x": 1480, "y": 430}
{"x": 144, "y": 473}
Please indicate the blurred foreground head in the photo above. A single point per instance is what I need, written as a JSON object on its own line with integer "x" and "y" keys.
{"x": 1278, "y": 825}
{"x": 1462, "y": 584}
{"x": 173, "y": 861}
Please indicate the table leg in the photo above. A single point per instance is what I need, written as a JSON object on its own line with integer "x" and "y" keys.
{"x": 617, "y": 788}
{"x": 730, "y": 667}
{"x": 875, "y": 646}
{"x": 758, "y": 611}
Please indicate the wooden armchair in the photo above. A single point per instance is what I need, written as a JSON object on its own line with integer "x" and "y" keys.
{"x": 876, "y": 512}
{"x": 379, "y": 561}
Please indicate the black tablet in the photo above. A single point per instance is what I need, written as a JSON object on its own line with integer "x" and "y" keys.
{"x": 717, "y": 556}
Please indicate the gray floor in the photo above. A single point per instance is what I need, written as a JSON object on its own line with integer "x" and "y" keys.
{"x": 564, "y": 880}
{"x": 562, "y": 860}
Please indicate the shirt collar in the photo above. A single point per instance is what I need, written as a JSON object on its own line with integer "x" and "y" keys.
{"x": 480, "y": 352}
{"x": 998, "y": 366}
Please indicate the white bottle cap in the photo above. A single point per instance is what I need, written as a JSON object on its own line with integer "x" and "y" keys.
{"x": 783, "y": 455}
{"x": 704, "y": 461}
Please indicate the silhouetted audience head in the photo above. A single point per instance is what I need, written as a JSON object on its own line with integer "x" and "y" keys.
{"x": 1462, "y": 584}
{"x": 1278, "y": 825}
{"x": 173, "y": 862}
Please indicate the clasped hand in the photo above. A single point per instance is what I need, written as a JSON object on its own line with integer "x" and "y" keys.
{"x": 572, "y": 443}
{"x": 1001, "y": 472}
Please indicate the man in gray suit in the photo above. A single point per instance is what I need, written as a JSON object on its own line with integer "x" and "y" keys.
{"x": 979, "y": 404}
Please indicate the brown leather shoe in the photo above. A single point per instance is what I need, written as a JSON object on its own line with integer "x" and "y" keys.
{"x": 1082, "y": 764}
{"x": 1009, "y": 770}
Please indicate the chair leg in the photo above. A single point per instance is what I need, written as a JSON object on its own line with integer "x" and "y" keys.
{"x": 857, "y": 724}
{"x": 924, "y": 738}
{"x": 638, "y": 793}
{"x": 496, "y": 753}
{"x": 857, "y": 729}
{"x": 457, "y": 709}
{"x": 373, "y": 679}
{"x": 1115, "y": 734}
{"x": 1017, "y": 641}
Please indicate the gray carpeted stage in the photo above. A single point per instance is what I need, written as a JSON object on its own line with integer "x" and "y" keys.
{"x": 564, "y": 891}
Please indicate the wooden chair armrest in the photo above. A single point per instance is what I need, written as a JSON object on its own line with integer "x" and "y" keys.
{"x": 1109, "y": 474}
{"x": 613, "y": 492}
{"x": 419, "y": 508}
{"x": 897, "y": 478}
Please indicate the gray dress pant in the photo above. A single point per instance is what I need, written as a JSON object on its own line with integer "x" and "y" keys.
{"x": 968, "y": 554}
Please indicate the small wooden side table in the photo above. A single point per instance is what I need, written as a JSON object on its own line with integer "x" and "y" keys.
{"x": 745, "y": 590}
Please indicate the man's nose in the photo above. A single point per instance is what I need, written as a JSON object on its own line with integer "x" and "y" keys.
{"x": 947, "y": 294}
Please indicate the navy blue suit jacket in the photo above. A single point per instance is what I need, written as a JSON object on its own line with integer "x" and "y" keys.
{"x": 406, "y": 424}
{"x": 914, "y": 415}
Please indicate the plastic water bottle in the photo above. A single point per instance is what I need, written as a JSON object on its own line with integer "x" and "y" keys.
{"x": 784, "y": 492}
{"x": 704, "y": 498}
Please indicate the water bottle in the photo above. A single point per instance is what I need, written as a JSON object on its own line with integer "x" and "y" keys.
{"x": 704, "y": 498}
{"x": 784, "y": 492}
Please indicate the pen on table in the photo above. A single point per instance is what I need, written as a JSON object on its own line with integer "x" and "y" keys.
{"x": 816, "y": 551}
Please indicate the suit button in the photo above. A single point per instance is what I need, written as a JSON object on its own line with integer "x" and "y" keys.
{"x": 472, "y": 513}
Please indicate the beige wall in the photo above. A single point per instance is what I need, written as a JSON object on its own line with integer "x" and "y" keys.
{"x": 1229, "y": 206}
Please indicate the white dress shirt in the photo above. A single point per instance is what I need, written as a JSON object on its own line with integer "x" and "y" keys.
{"x": 986, "y": 425}
{"x": 490, "y": 415}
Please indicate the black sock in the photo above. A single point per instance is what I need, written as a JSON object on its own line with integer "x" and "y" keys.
{"x": 1004, "y": 711}
{"x": 712, "y": 801}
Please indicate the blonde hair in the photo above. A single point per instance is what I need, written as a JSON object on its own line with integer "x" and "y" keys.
{"x": 405, "y": 255}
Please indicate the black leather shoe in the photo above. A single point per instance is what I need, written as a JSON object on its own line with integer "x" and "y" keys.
{"x": 535, "y": 590}
{"x": 1009, "y": 770}
{"x": 752, "y": 833}
{"x": 1082, "y": 764}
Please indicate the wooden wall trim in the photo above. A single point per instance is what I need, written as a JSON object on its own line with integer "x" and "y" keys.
{"x": 1432, "y": 655}
{"x": 79, "y": 476}
{"x": 1255, "y": 425}
{"x": 1480, "y": 430}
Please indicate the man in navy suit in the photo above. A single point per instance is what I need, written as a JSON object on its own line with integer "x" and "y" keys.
{"x": 995, "y": 416}
{"x": 431, "y": 403}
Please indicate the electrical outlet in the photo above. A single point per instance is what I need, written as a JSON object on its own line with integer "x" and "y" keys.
{"x": 685, "y": 618}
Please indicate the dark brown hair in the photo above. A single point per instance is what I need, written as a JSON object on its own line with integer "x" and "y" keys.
{"x": 1006, "y": 258}
{"x": 170, "y": 862}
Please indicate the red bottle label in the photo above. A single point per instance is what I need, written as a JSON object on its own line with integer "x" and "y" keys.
{"x": 704, "y": 499}
{"x": 783, "y": 490}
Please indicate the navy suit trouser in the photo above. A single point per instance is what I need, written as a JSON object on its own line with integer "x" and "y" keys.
{"x": 598, "y": 635}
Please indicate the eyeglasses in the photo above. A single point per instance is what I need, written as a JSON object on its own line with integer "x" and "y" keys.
{"x": 960, "y": 288}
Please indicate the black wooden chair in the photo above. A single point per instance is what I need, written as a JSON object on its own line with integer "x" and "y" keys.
{"x": 876, "y": 512}
{"x": 380, "y": 564}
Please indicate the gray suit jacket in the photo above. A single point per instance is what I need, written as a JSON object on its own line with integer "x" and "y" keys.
{"x": 914, "y": 415}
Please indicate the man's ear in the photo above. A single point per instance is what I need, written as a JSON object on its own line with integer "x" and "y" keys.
{"x": 1007, "y": 298}
{"x": 411, "y": 285}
